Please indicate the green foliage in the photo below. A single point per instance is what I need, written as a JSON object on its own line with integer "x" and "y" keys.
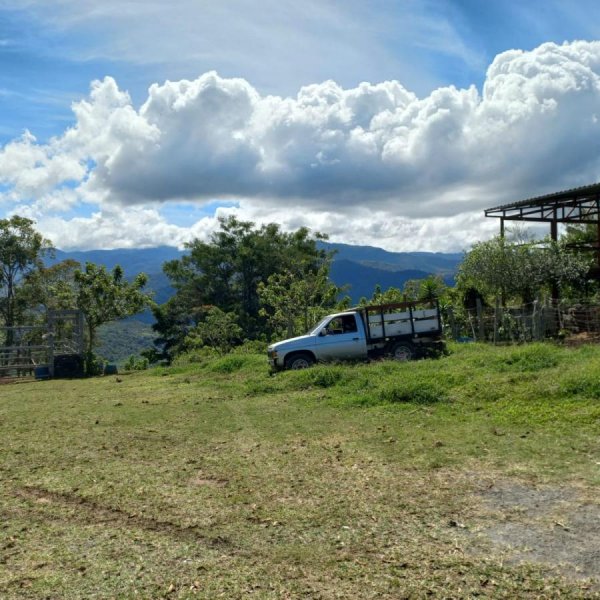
{"x": 585, "y": 385}
{"x": 532, "y": 357}
{"x": 390, "y": 296}
{"x": 322, "y": 376}
{"x": 93, "y": 364}
{"x": 502, "y": 269}
{"x": 229, "y": 364}
{"x": 104, "y": 296}
{"x": 134, "y": 363}
{"x": 294, "y": 301}
{"x": 415, "y": 392}
{"x": 414, "y": 290}
{"x": 22, "y": 250}
{"x": 219, "y": 330}
{"x": 251, "y": 347}
{"x": 227, "y": 272}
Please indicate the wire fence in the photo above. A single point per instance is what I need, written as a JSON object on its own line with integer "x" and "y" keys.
{"x": 535, "y": 321}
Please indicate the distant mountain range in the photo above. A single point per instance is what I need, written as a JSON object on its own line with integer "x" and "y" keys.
{"x": 360, "y": 268}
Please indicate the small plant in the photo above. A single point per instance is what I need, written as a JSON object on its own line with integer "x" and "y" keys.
{"x": 229, "y": 364}
{"x": 93, "y": 364}
{"x": 134, "y": 363}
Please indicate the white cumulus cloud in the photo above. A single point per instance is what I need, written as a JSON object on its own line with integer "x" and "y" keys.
{"x": 391, "y": 166}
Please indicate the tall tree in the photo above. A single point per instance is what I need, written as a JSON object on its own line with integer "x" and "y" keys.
{"x": 104, "y": 296}
{"x": 22, "y": 250}
{"x": 296, "y": 300}
{"x": 227, "y": 270}
{"x": 54, "y": 287}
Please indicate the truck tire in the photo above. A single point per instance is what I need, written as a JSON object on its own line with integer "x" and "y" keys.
{"x": 403, "y": 351}
{"x": 300, "y": 360}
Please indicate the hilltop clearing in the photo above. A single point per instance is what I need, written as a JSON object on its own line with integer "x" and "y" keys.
{"x": 474, "y": 474}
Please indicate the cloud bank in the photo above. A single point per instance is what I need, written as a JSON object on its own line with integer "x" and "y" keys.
{"x": 372, "y": 164}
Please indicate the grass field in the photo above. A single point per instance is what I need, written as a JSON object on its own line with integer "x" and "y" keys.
{"x": 476, "y": 474}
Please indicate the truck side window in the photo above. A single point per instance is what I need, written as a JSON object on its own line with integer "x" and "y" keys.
{"x": 334, "y": 327}
{"x": 343, "y": 324}
{"x": 349, "y": 324}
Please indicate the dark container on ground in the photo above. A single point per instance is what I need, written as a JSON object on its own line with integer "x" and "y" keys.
{"x": 42, "y": 372}
{"x": 111, "y": 370}
{"x": 68, "y": 365}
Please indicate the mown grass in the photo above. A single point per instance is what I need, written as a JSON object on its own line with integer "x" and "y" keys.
{"x": 216, "y": 479}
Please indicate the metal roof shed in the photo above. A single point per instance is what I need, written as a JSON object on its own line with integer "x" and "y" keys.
{"x": 576, "y": 206}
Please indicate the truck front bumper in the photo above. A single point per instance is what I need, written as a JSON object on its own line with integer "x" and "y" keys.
{"x": 273, "y": 360}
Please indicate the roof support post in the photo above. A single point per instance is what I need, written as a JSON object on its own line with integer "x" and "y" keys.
{"x": 598, "y": 243}
{"x": 554, "y": 236}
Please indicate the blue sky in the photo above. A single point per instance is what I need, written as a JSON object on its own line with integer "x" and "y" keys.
{"x": 434, "y": 50}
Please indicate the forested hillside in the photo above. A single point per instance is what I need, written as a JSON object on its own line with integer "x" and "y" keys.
{"x": 357, "y": 267}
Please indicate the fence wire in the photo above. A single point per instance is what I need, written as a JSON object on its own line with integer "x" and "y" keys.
{"x": 525, "y": 323}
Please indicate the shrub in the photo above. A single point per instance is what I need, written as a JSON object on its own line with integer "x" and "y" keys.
{"x": 251, "y": 347}
{"x": 93, "y": 364}
{"x": 229, "y": 364}
{"x": 134, "y": 363}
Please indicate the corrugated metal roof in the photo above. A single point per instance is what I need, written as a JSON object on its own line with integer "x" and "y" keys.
{"x": 572, "y": 194}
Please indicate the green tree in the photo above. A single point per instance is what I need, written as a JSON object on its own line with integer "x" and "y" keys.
{"x": 219, "y": 330}
{"x": 54, "y": 286}
{"x": 296, "y": 300}
{"x": 431, "y": 288}
{"x": 226, "y": 271}
{"x": 22, "y": 250}
{"x": 519, "y": 271}
{"x": 104, "y": 296}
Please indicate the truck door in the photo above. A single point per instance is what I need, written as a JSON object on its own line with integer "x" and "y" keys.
{"x": 341, "y": 339}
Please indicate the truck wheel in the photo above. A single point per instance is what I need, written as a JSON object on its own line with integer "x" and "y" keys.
{"x": 403, "y": 351}
{"x": 302, "y": 360}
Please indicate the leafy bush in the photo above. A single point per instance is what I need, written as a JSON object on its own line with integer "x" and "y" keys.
{"x": 93, "y": 364}
{"x": 251, "y": 347}
{"x": 134, "y": 363}
{"x": 229, "y": 364}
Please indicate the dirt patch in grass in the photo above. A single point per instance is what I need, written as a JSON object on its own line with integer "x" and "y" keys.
{"x": 201, "y": 479}
{"x": 554, "y": 526}
{"x": 88, "y": 511}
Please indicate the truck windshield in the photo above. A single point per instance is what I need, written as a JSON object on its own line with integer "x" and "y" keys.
{"x": 315, "y": 330}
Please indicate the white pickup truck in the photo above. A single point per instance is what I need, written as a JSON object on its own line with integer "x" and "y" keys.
{"x": 402, "y": 331}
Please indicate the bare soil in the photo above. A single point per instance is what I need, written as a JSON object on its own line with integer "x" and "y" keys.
{"x": 555, "y": 526}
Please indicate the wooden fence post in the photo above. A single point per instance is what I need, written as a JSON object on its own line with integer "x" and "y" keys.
{"x": 452, "y": 322}
{"x": 496, "y": 310}
{"x": 480, "y": 319}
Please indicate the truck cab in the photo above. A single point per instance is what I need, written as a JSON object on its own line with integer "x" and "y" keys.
{"x": 339, "y": 336}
